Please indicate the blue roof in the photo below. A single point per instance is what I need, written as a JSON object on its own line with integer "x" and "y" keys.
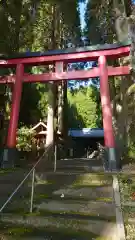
{"x": 86, "y": 132}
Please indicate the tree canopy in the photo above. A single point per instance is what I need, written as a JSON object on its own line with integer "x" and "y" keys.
{"x": 84, "y": 108}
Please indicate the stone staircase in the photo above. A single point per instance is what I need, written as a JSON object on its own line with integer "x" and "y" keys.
{"x": 77, "y": 165}
{"x": 73, "y": 203}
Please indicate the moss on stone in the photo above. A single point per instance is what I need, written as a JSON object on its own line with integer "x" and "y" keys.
{"x": 92, "y": 179}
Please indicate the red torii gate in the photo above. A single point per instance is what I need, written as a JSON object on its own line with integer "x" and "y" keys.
{"x": 59, "y": 58}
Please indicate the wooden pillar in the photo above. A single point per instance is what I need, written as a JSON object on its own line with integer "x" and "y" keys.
{"x": 107, "y": 113}
{"x": 10, "y": 153}
{"x": 15, "y": 108}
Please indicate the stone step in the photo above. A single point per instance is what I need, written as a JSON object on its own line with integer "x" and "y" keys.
{"x": 82, "y": 186}
{"x": 63, "y": 194}
{"x": 43, "y": 193}
{"x": 17, "y": 176}
{"x": 13, "y": 176}
{"x": 72, "y": 161}
{"x": 59, "y": 178}
{"x": 81, "y": 169}
{"x": 86, "y": 191}
{"x": 73, "y": 165}
{"x": 79, "y": 207}
{"x": 65, "y": 228}
{"x": 98, "y": 196}
{"x": 8, "y": 188}
{"x": 79, "y": 162}
{"x": 75, "y": 207}
{"x": 74, "y": 178}
{"x": 85, "y": 167}
{"x": 79, "y": 159}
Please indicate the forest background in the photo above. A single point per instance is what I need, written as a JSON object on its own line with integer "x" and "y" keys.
{"x": 41, "y": 25}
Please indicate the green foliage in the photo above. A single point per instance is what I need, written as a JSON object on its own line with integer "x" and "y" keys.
{"x": 131, "y": 151}
{"x": 43, "y": 102}
{"x": 24, "y": 138}
{"x": 31, "y": 25}
{"x": 30, "y": 113}
{"x": 101, "y": 28}
{"x": 99, "y": 18}
{"x": 83, "y": 108}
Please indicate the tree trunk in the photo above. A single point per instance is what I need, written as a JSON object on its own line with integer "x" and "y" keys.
{"x": 62, "y": 89}
{"x": 50, "y": 117}
{"x": 121, "y": 112}
{"x": 52, "y": 88}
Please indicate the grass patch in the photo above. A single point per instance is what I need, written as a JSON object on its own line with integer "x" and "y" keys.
{"x": 18, "y": 230}
{"x": 41, "y": 196}
{"x": 130, "y": 231}
{"x": 90, "y": 185}
{"x": 40, "y": 182}
{"x": 13, "y": 230}
{"x": 127, "y": 188}
{"x": 128, "y": 212}
{"x": 8, "y": 170}
{"x": 104, "y": 199}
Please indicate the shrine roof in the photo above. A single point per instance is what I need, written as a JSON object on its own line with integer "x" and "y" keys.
{"x": 86, "y": 132}
{"x": 38, "y": 125}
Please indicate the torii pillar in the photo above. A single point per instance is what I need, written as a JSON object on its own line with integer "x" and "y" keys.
{"x": 10, "y": 152}
{"x": 109, "y": 139}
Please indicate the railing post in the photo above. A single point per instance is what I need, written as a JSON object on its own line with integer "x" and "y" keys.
{"x": 55, "y": 158}
{"x": 32, "y": 190}
{"x": 107, "y": 113}
{"x": 32, "y": 171}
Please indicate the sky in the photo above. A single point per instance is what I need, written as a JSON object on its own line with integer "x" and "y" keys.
{"x": 82, "y": 11}
{"x": 77, "y": 84}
